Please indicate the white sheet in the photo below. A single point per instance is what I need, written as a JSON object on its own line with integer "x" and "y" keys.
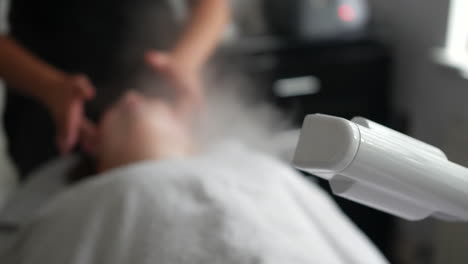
{"x": 228, "y": 206}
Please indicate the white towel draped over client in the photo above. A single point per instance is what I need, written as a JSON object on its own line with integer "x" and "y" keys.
{"x": 228, "y": 205}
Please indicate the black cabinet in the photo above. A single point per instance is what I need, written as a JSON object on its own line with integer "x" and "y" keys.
{"x": 352, "y": 76}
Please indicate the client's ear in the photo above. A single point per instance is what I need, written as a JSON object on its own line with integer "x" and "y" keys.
{"x": 89, "y": 138}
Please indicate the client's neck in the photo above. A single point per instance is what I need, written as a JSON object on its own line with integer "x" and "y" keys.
{"x": 143, "y": 153}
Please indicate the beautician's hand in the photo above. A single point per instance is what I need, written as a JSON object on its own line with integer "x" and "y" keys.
{"x": 66, "y": 105}
{"x": 63, "y": 94}
{"x": 184, "y": 78}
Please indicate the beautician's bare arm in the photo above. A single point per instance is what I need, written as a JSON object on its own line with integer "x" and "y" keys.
{"x": 182, "y": 65}
{"x": 63, "y": 94}
{"x": 204, "y": 29}
{"x": 24, "y": 71}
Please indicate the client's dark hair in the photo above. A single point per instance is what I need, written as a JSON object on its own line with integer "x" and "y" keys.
{"x": 84, "y": 168}
{"x": 151, "y": 26}
{"x": 141, "y": 79}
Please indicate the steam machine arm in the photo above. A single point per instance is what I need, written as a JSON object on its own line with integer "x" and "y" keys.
{"x": 382, "y": 168}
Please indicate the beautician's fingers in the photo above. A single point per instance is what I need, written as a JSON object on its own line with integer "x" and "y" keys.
{"x": 68, "y": 132}
{"x": 88, "y": 137}
{"x": 84, "y": 87}
{"x": 69, "y": 111}
{"x": 185, "y": 81}
{"x": 158, "y": 60}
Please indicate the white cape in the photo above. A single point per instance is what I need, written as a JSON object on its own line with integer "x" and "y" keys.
{"x": 227, "y": 206}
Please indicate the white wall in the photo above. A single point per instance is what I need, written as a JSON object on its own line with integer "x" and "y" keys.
{"x": 8, "y": 176}
{"x": 434, "y": 96}
{"x": 436, "y": 101}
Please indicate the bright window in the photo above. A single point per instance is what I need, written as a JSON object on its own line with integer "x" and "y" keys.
{"x": 455, "y": 52}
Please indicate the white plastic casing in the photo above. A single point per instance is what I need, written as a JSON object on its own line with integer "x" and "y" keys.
{"x": 383, "y": 169}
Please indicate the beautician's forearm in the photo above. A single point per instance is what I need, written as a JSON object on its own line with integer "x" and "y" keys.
{"x": 204, "y": 29}
{"x": 24, "y": 71}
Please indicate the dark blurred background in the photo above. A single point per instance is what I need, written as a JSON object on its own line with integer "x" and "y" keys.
{"x": 389, "y": 61}
{"x": 383, "y": 60}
